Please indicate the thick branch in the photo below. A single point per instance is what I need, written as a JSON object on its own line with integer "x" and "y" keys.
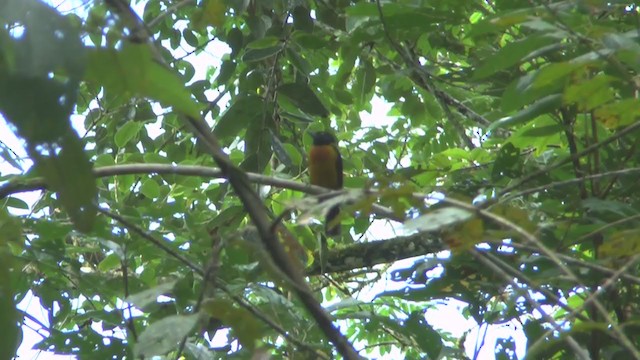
{"x": 257, "y": 211}
{"x": 368, "y": 254}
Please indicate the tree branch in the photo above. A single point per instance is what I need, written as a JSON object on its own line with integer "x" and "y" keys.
{"x": 252, "y": 203}
{"x": 15, "y": 187}
{"x": 368, "y": 254}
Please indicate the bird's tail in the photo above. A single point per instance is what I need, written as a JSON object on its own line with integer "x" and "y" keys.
{"x": 332, "y": 228}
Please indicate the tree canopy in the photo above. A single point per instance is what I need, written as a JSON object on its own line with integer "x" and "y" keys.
{"x": 171, "y": 197}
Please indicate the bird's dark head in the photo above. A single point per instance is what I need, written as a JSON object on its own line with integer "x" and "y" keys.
{"x": 323, "y": 138}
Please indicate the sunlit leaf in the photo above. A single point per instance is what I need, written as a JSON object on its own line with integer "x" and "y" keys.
{"x": 244, "y": 324}
{"x": 437, "y": 219}
{"x": 134, "y": 71}
{"x": 164, "y": 335}
{"x": 510, "y": 55}
{"x": 543, "y": 106}
{"x": 304, "y": 97}
{"x": 127, "y": 132}
{"x": 150, "y": 296}
{"x": 621, "y": 244}
{"x": 238, "y": 116}
{"x": 259, "y": 54}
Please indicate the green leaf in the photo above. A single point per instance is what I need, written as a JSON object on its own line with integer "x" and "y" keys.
{"x": 510, "y": 55}
{"x": 592, "y": 93}
{"x": 300, "y": 118}
{"x": 309, "y": 41}
{"x": 242, "y": 112}
{"x": 53, "y": 42}
{"x": 16, "y": 203}
{"x": 543, "y": 130}
{"x": 127, "y": 132}
{"x": 280, "y": 152}
{"x": 264, "y": 43}
{"x": 37, "y": 94}
{"x": 253, "y": 55}
{"x": 68, "y": 172}
{"x": 235, "y": 40}
{"x": 303, "y": 97}
{"x": 213, "y": 13}
{"x": 542, "y": 106}
{"x": 150, "y": 189}
{"x": 365, "y": 82}
{"x": 258, "y": 149}
{"x": 227, "y": 69}
{"x": 147, "y": 297}
{"x": 134, "y": 71}
{"x": 164, "y": 335}
{"x": 302, "y": 19}
{"x": 110, "y": 262}
{"x": 553, "y": 73}
{"x": 508, "y": 163}
{"x": 9, "y": 318}
{"x": 424, "y": 335}
{"x": 343, "y": 96}
{"x": 294, "y": 154}
{"x": 620, "y": 244}
{"x": 244, "y": 324}
{"x": 619, "y": 113}
{"x": 190, "y": 37}
{"x": 298, "y": 61}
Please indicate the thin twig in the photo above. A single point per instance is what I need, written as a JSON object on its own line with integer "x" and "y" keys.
{"x": 125, "y": 279}
{"x": 136, "y": 229}
{"x": 170, "y": 10}
{"x": 571, "y": 342}
{"x": 421, "y": 77}
{"x": 615, "y": 328}
{"x": 629, "y": 129}
{"x": 623, "y": 172}
{"x": 592, "y": 298}
{"x": 585, "y": 264}
{"x": 255, "y": 312}
{"x": 568, "y": 122}
{"x": 209, "y": 284}
{"x": 526, "y": 280}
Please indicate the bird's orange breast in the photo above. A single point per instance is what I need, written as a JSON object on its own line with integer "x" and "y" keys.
{"x": 323, "y": 166}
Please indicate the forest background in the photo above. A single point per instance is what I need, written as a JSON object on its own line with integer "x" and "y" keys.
{"x": 168, "y": 199}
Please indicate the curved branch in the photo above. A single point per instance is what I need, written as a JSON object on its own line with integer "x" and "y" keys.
{"x": 616, "y": 173}
{"x": 15, "y": 187}
{"x": 530, "y": 238}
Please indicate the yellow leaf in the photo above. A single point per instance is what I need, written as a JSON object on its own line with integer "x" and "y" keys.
{"x": 213, "y": 12}
{"x": 466, "y": 235}
{"x": 245, "y": 325}
{"x": 621, "y": 244}
{"x": 516, "y": 215}
{"x": 619, "y": 113}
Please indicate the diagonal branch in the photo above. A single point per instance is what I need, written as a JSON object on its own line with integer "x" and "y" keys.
{"x": 571, "y": 342}
{"x": 137, "y": 230}
{"x": 592, "y": 298}
{"x": 253, "y": 205}
{"x": 421, "y": 77}
{"x": 530, "y": 238}
{"x": 627, "y": 130}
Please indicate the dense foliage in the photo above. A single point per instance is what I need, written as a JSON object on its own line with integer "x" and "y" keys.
{"x": 171, "y": 202}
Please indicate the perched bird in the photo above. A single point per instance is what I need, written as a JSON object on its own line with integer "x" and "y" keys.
{"x": 325, "y": 169}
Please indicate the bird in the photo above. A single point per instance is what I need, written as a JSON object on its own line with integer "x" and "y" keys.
{"x": 325, "y": 169}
